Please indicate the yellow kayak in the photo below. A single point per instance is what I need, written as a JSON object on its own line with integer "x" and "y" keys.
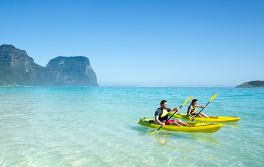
{"x": 210, "y": 119}
{"x": 195, "y": 127}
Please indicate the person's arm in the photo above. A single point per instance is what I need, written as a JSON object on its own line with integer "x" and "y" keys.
{"x": 199, "y": 106}
{"x": 158, "y": 121}
{"x": 173, "y": 109}
{"x": 157, "y": 115}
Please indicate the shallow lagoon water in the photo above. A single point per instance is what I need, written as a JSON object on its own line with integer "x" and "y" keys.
{"x": 84, "y": 126}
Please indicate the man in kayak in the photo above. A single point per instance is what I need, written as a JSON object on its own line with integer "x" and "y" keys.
{"x": 192, "y": 109}
{"x": 161, "y": 115}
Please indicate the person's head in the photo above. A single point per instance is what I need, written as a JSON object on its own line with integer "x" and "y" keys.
{"x": 163, "y": 103}
{"x": 194, "y": 102}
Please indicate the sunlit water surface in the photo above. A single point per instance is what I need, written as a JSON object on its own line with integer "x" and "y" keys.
{"x": 85, "y": 126}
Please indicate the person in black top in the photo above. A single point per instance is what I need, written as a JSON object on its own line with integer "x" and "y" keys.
{"x": 161, "y": 115}
{"x": 193, "y": 108}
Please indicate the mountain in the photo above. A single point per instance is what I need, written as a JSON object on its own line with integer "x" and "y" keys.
{"x": 72, "y": 71}
{"x": 17, "y": 68}
{"x": 251, "y": 84}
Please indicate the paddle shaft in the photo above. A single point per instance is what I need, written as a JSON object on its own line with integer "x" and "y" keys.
{"x": 169, "y": 118}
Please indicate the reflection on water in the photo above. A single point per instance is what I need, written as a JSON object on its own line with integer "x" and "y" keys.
{"x": 163, "y": 137}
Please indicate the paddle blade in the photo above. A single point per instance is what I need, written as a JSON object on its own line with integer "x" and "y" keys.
{"x": 153, "y": 133}
{"x": 186, "y": 101}
{"x": 213, "y": 97}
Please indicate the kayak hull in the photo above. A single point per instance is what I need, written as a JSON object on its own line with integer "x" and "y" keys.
{"x": 196, "y": 127}
{"x": 210, "y": 119}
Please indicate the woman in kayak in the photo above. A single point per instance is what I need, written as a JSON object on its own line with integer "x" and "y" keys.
{"x": 161, "y": 115}
{"x": 193, "y": 107}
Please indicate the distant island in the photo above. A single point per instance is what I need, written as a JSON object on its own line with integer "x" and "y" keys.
{"x": 251, "y": 84}
{"x": 17, "y": 68}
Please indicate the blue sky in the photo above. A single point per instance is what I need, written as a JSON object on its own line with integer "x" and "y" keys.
{"x": 144, "y": 43}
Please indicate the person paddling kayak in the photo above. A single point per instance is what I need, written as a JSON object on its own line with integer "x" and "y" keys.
{"x": 161, "y": 115}
{"x": 193, "y": 107}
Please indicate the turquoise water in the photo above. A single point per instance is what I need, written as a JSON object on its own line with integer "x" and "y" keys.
{"x": 82, "y": 126}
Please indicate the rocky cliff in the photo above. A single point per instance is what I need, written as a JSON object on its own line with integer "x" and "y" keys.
{"x": 72, "y": 71}
{"x": 17, "y": 68}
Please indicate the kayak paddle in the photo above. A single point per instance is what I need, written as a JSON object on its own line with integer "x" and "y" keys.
{"x": 183, "y": 104}
{"x": 211, "y": 99}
